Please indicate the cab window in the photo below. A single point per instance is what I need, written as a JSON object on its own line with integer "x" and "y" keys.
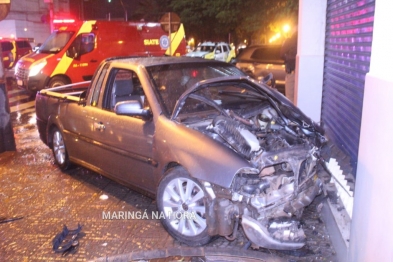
{"x": 123, "y": 85}
{"x": 88, "y": 41}
{"x": 56, "y": 41}
{"x": 98, "y": 85}
{"x": 83, "y": 44}
{"x": 6, "y": 46}
{"x": 23, "y": 44}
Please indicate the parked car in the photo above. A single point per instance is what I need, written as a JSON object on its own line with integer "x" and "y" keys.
{"x": 217, "y": 51}
{"x": 216, "y": 148}
{"x": 260, "y": 60}
{"x": 13, "y": 49}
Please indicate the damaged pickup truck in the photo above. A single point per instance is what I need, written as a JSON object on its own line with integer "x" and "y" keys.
{"x": 217, "y": 149}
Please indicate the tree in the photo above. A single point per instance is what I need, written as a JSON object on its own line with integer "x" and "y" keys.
{"x": 214, "y": 20}
{"x": 196, "y": 17}
{"x": 151, "y": 10}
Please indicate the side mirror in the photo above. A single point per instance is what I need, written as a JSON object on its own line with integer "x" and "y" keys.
{"x": 82, "y": 98}
{"x": 83, "y": 94}
{"x": 268, "y": 80}
{"x": 132, "y": 108}
{"x": 72, "y": 52}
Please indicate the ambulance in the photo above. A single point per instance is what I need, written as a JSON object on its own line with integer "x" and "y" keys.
{"x": 13, "y": 49}
{"x": 75, "y": 49}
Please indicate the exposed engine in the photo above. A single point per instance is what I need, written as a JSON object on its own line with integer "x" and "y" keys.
{"x": 269, "y": 200}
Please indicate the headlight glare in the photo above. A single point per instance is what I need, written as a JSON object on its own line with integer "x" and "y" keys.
{"x": 35, "y": 69}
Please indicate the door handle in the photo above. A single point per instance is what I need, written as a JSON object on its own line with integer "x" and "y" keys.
{"x": 99, "y": 127}
{"x": 93, "y": 61}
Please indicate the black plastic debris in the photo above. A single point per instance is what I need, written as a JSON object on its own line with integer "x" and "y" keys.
{"x": 6, "y": 220}
{"x": 66, "y": 242}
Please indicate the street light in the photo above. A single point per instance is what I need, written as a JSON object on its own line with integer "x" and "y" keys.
{"x": 191, "y": 42}
{"x": 286, "y": 28}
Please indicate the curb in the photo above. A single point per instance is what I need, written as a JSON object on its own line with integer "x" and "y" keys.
{"x": 210, "y": 253}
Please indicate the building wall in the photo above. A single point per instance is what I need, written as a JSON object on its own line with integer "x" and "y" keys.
{"x": 372, "y": 227}
{"x": 310, "y": 57}
{"x": 371, "y": 236}
{"x": 30, "y": 19}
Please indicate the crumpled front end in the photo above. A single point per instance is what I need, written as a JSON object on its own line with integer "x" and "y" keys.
{"x": 268, "y": 200}
{"x": 282, "y": 147}
{"x": 270, "y": 203}
{"x": 277, "y": 198}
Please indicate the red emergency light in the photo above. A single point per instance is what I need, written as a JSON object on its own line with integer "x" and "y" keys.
{"x": 63, "y": 21}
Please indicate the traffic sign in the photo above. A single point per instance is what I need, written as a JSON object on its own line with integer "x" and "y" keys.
{"x": 170, "y": 22}
{"x": 4, "y": 8}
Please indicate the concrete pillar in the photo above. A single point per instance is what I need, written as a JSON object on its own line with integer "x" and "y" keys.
{"x": 372, "y": 221}
{"x": 310, "y": 57}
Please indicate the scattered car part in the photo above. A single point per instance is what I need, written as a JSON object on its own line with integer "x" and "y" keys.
{"x": 72, "y": 249}
{"x": 6, "y": 220}
{"x": 66, "y": 239}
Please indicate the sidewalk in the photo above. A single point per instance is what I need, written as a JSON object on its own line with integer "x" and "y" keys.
{"x": 34, "y": 188}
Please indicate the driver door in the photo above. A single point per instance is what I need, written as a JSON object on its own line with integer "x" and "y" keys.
{"x": 84, "y": 57}
{"x": 123, "y": 144}
{"x": 219, "y": 54}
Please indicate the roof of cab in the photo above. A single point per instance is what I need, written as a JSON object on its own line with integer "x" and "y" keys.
{"x": 159, "y": 60}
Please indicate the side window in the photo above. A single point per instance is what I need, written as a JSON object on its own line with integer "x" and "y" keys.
{"x": 218, "y": 49}
{"x": 97, "y": 88}
{"x": 124, "y": 85}
{"x": 6, "y": 46}
{"x": 88, "y": 41}
{"x": 83, "y": 44}
{"x": 23, "y": 44}
{"x": 20, "y": 44}
{"x": 225, "y": 48}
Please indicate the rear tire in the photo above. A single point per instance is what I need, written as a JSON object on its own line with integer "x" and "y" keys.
{"x": 58, "y": 81}
{"x": 59, "y": 150}
{"x": 184, "y": 198}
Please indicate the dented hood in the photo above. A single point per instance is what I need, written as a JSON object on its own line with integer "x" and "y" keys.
{"x": 287, "y": 110}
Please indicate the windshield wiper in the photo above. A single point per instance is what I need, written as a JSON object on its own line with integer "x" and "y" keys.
{"x": 246, "y": 94}
{"x": 209, "y": 102}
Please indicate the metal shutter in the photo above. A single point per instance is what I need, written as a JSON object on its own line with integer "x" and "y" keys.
{"x": 349, "y": 30}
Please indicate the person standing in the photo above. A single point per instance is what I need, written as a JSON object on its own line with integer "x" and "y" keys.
{"x": 288, "y": 54}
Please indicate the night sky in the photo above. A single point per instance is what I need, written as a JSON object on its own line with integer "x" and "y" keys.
{"x": 100, "y": 9}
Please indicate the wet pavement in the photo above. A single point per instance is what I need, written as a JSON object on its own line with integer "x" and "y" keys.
{"x": 32, "y": 187}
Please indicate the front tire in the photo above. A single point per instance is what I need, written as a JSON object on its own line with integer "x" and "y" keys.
{"x": 182, "y": 199}
{"x": 58, "y": 81}
{"x": 59, "y": 150}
